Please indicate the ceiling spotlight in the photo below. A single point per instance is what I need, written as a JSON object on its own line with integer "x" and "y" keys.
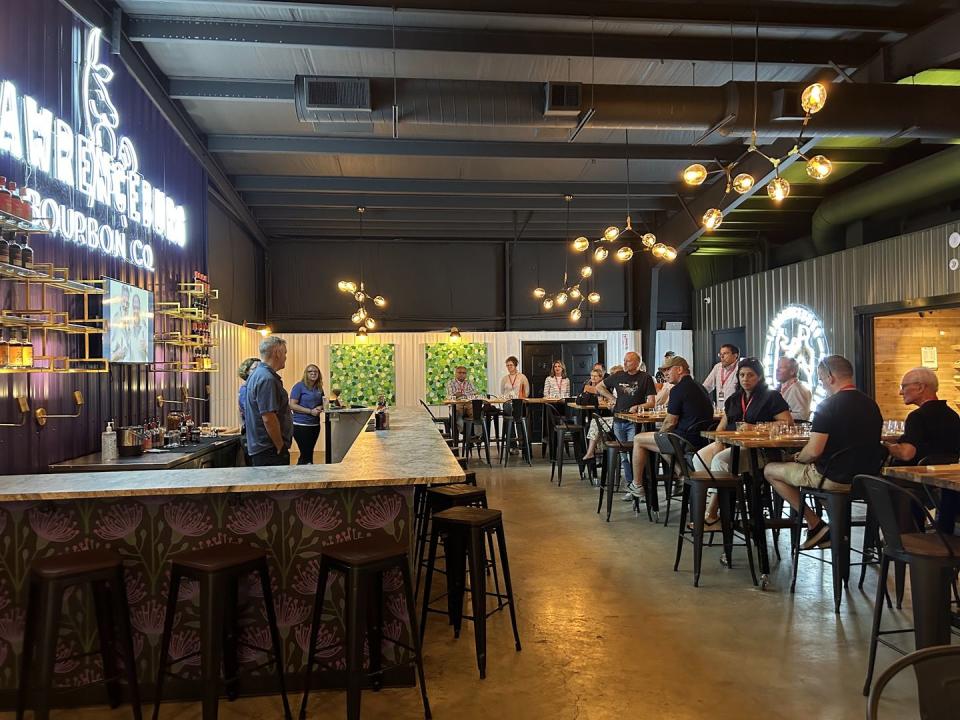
{"x": 581, "y": 244}
{"x": 361, "y": 335}
{"x": 575, "y": 314}
{"x": 586, "y": 271}
{"x": 778, "y": 189}
{"x": 819, "y": 167}
{"x": 594, "y": 297}
{"x": 454, "y": 335}
{"x": 813, "y": 98}
{"x": 265, "y": 331}
{"x": 600, "y": 254}
{"x": 561, "y": 299}
{"x": 539, "y": 293}
{"x": 712, "y": 219}
{"x": 695, "y": 174}
{"x": 743, "y": 183}
{"x": 624, "y": 254}
{"x": 648, "y": 240}
{"x": 611, "y": 233}
{"x": 575, "y": 293}
{"x": 370, "y": 323}
{"x": 380, "y": 301}
{"x": 548, "y": 303}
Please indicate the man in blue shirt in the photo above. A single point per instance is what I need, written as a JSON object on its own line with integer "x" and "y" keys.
{"x": 266, "y": 409}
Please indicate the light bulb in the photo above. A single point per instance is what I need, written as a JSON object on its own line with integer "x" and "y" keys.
{"x": 611, "y": 233}
{"x": 548, "y": 303}
{"x": 356, "y": 319}
{"x": 370, "y": 323}
{"x": 455, "y": 334}
{"x": 342, "y": 286}
{"x": 813, "y": 98}
{"x": 648, "y": 240}
{"x": 819, "y": 167}
{"x": 743, "y": 183}
{"x": 600, "y": 254}
{"x": 561, "y": 299}
{"x": 594, "y": 297}
{"x": 359, "y": 296}
{"x": 695, "y": 174}
{"x": 712, "y": 219}
{"x": 669, "y": 253}
{"x": 575, "y": 293}
{"x": 624, "y": 254}
{"x": 658, "y": 250}
{"x": 350, "y": 286}
{"x": 575, "y": 314}
{"x": 380, "y": 301}
{"x": 586, "y": 271}
{"x": 539, "y": 293}
{"x": 361, "y": 336}
{"x": 362, "y": 313}
{"x": 778, "y": 189}
{"x": 581, "y": 244}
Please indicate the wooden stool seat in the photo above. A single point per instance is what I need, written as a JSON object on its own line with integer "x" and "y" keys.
{"x": 469, "y": 516}
{"x": 715, "y": 479}
{"x": 618, "y": 445}
{"x": 365, "y": 551}
{"x": 78, "y": 563}
{"x": 457, "y": 491}
{"x": 219, "y": 557}
{"x": 930, "y": 545}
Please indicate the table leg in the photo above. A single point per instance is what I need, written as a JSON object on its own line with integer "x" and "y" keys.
{"x": 930, "y": 591}
{"x": 453, "y": 425}
{"x": 757, "y": 520}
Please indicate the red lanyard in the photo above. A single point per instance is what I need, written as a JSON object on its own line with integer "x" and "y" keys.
{"x": 787, "y": 385}
{"x": 462, "y": 387}
{"x": 744, "y": 406}
{"x": 725, "y": 377}
{"x": 513, "y": 379}
{"x": 847, "y": 387}
{"x": 559, "y": 382}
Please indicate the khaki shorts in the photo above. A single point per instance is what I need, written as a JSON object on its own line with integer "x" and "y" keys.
{"x": 801, "y": 475}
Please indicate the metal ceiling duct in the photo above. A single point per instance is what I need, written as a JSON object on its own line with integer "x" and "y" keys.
{"x": 874, "y": 110}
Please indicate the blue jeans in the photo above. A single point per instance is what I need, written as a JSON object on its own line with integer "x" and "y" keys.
{"x": 624, "y": 431}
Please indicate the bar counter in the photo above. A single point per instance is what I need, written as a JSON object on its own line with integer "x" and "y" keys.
{"x": 208, "y": 453}
{"x": 150, "y": 517}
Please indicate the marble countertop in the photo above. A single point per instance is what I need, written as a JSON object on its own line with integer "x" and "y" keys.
{"x": 411, "y": 452}
{"x": 150, "y": 460}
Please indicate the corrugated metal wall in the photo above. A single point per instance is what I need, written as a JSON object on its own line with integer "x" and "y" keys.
{"x": 901, "y": 268}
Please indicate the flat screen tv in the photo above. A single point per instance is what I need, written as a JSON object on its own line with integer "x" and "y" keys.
{"x": 128, "y": 326}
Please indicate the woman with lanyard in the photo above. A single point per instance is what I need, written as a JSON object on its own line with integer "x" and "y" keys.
{"x": 514, "y": 384}
{"x": 753, "y": 402}
{"x": 557, "y": 386}
{"x": 306, "y": 401}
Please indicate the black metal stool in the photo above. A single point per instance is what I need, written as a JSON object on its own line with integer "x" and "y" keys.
{"x": 560, "y": 432}
{"x": 475, "y": 432}
{"x": 363, "y": 563}
{"x": 421, "y": 514}
{"x": 465, "y": 528}
{"x": 610, "y": 473}
{"x": 515, "y": 428}
{"x": 49, "y": 579}
{"x": 218, "y": 570}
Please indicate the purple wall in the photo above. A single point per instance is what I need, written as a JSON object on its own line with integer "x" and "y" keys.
{"x": 39, "y": 41}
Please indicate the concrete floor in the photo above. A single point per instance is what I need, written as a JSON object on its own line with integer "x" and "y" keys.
{"x": 607, "y": 628}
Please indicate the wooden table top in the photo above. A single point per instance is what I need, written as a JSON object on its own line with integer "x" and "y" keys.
{"x": 649, "y": 417}
{"x": 577, "y": 406}
{"x": 941, "y": 476}
{"x": 465, "y": 401}
{"x": 545, "y": 401}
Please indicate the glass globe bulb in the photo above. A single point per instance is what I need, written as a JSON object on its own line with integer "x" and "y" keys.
{"x": 648, "y": 240}
{"x": 624, "y": 254}
{"x": 548, "y": 303}
{"x": 611, "y": 233}
{"x": 712, "y": 219}
{"x": 380, "y": 301}
{"x": 370, "y": 323}
{"x": 575, "y": 314}
{"x": 350, "y": 286}
{"x": 813, "y": 98}
{"x": 575, "y": 293}
{"x": 561, "y": 299}
{"x": 743, "y": 183}
{"x": 819, "y": 167}
{"x": 359, "y": 296}
{"x": 695, "y": 174}
{"x": 362, "y": 313}
{"x": 669, "y": 253}
{"x": 594, "y": 297}
{"x": 600, "y": 254}
{"x": 586, "y": 271}
{"x": 581, "y": 244}
{"x": 356, "y": 319}
{"x": 778, "y": 189}
{"x": 539, "y": 293}
{"x": 658, "y": 250}
{"x": 342, "y": 286}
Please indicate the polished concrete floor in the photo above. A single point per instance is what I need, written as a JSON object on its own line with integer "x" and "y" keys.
{"x": 608, "y": 628}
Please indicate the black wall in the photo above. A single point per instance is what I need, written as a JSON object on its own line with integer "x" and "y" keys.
{"x": 236, "y": 263}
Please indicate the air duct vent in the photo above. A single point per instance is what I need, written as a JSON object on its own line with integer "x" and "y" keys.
{"x": 562, "y": 99}
{"x": 785, "y": 104}
{"x": 316, "y": 96}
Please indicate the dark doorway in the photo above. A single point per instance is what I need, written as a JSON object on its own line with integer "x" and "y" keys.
{"x": 730, "y": 336}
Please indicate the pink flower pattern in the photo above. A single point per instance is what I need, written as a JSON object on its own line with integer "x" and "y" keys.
{"x": 379, "y": 511}
{"x": 183, "y": 643}
{"x": 118, "y": 522}
{"x": 12, "y": 625}
{"x": 187, "y": 518}
{"x": 52, "y": 525}
{"x": 258, "y": 636}
{"x": 148, "y": 617}
{"x": 328, "y": 644}
{"x": 318, "y": 513}
{"x": 397, "y": 604}
{"x": 290, "y": 611}
{"x": 136, "y": 588}
{"x": 393, "y": 629}
{"x": 392, "y": 581}
{"x": 251, "y": 516}
{"x": 64, "y": 663}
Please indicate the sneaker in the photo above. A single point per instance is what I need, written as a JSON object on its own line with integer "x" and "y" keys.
{"x": 817, "y": 535}
{"x": 636, "y": 491}
{"x": 629, "y": 494}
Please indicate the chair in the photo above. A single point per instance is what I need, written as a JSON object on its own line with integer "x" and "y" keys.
{"x": 492, "y": 416}
{"x": 694, "y": 501}
{"x": 929, "y": 555}
{"x": 665, "y": 447}
{"x": 561, "y": 432}
{"x": 938, "y": 682}
{"x": 515, "y": 428}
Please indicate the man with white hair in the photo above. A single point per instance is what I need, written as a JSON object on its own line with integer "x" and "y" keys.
{"x": 797, "y": 395}
{"x": 266, "y": 410}
{"x": 933, "y": 429}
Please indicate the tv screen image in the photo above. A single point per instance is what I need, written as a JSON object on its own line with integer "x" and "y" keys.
{"x": 128, "y": 315}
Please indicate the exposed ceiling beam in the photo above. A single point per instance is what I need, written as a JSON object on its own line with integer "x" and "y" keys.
{"x": 580, "y": 219}
{"x": 935, "y": 46}
{"x": 215, "y": 88}
{"x": 447, "y": 202}
{"x": 775, "y": 51}
{"x": 293, "y": 144}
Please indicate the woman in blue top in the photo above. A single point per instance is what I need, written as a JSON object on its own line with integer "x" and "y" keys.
{"x": 306, "y": 402}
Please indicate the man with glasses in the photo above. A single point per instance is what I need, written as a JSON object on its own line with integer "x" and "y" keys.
{"x": 933, "y": 429}
{"x": 848, "y": 420}
{"x": 723, "y": 376}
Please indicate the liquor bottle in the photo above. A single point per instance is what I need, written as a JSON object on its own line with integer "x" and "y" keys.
{"x": 4, "y": 350}
{"x": 5, "y": 195}
{"x": 14, "y": 251}
{"x": 26, "y": 350}
{"x": 26, "y": 253}
{"x": 16, "y": 206}
{"x": 14, "y": 351}
{"x": 4, "y": 250}
{"x": 25, "y": 206}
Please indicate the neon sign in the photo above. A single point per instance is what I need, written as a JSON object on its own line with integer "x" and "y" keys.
{"x": 797, "y": 332}
{"x": 100, "y": 165}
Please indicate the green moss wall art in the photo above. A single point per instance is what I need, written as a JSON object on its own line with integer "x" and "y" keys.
{"x": 442, "y": 360}
{"x": 363, "y": 373}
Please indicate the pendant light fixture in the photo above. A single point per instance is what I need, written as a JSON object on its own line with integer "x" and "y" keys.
{"x": 361, "y": 316}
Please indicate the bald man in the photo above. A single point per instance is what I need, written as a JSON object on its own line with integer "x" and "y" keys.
{"x": 635, "y": 391}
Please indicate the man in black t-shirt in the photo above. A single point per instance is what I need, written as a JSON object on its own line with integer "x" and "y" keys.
{"x": 846, "y": 421}
{"x": 635, "y": 391}
{"x": 933, "y": 429}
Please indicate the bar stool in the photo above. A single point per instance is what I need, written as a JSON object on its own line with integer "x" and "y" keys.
{"x": 729, "y": 487}
{"x": 561, "y": 431}
{"x": 363, "y": 563}
{"x": 218, "y": 571}
{"x": 515, "y": 428}
{"x": 492, "y": 416}
{"x": 465, "y": 528}
{"x": 610, "y": 473}
{"x": 475, "y": 432}
{"x": 102, "y": 570}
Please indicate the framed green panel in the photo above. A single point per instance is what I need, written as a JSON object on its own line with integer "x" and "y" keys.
{"x": 364, "y": 373}
{"x": 443, "y": 359}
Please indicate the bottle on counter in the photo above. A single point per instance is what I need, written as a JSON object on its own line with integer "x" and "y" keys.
{"x": 26, "y": 350}
{"x": 26, "y": 209}
{"x": 4, "y": 250}
{"x": 26, "y": 253}
{"x": 14, "y": 350}
{"x": 4, "y": 349}
{"x": 108, "y": 443}
{"x": 16, "y": 205}
{"x": 14, "y": 251}
{"x": 5, "y": 196}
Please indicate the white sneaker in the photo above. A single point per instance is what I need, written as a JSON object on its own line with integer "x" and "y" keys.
{"x": 630, "y": 493}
